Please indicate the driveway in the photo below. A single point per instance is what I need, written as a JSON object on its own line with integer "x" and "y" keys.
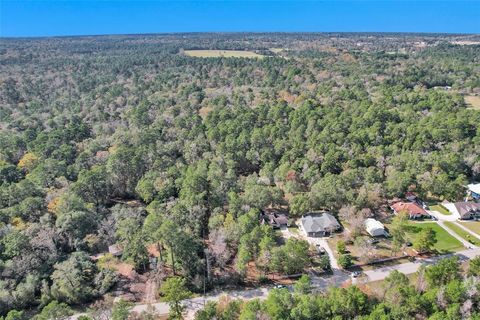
{"x": 442, "y": 217}
{"x": 322, "y": 242}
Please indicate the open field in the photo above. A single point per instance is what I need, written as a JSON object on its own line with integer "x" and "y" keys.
{"x": 441, "y": 209}
{"x": 276, "y": 50}
{"x": 471, "y": 225}
{"x": 445, "y": 242}
{"x": 462, "y": 233}
{"x": 222, "y": 54}
{"x": 473, "y": 102}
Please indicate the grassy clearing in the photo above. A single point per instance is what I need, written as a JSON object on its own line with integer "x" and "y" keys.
{"x": 462, "y": 233}
{"x": 473, "y": 102}
{"x": 294, "y": 230}
{"x": 445, "y": 242}
{"x": 471, "y": 225}
{"x": 441, "y": 209}
{"x": 276, "y": 50}
{"x": 222, "y": 54}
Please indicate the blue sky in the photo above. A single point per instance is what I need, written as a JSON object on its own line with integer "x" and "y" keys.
{"x": 93, "y": 17}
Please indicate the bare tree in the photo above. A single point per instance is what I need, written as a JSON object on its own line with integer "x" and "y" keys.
{"x": 354, "y": 218}
{"x": 218, "y": 247}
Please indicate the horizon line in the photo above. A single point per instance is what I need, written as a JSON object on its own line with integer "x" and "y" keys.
{"x": 241, "y": 32}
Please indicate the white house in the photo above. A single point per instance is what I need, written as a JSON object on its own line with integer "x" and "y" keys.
{"x": 374, "y": 227}
{"x": 474, "y": 190}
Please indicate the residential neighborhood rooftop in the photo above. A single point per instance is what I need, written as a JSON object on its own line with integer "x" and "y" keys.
{"x": 412, "y": 208}
{"x": 316, "y": 223}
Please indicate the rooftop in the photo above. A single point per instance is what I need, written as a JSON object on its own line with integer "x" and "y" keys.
{"x": 474, "y": 187}
{"x": 371, "y": 223}
{"x": 323, "y": 222}
{"x": 411, "y": 208}
{"x": 467, "y": 207}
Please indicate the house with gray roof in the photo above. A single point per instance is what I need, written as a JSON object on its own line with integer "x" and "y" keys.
{"x": 464, "y": 210}
{"x": 319, "y": 225}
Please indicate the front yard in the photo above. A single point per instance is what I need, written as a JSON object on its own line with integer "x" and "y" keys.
{"x": 381, "y": 250}
{"x": 471, "y": 225}
{"x": 441, "y": 209}
{"x": 445, "y": 243}
{"x": 462, "y": 233}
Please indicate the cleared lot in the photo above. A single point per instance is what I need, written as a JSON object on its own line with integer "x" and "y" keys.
{"x": 473, "y": 102}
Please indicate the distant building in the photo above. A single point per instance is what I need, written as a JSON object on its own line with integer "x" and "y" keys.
{"x": 474, "y": 190}
{"x": 413, "y": 209}
{"x": 315, "y": 225}
{"x": 115, "y": 250}
{"x": 464, "y": 210}
{"x": 276, "y": 220}
{"x": 410, "y": 196}
{"x": 374, "y": 227}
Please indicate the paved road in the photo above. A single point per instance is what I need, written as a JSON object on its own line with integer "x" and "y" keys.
{"x": 320, "y": 283}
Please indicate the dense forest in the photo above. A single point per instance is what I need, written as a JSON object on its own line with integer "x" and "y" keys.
{"x": 127, "y": 141}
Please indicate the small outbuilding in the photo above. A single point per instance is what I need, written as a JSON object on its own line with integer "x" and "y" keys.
{"x": 473, "y": 190}
{"x": 374, "y": 227}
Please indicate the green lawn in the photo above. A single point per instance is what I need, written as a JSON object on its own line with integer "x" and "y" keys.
{"x": 462, "y": 233}
{"x": 441, "y": 209}
{"x": 472, "y": 225}
{"x": 293, "y": 230}
{"x": 445, "y": 242}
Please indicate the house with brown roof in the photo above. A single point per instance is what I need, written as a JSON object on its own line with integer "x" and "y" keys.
{"x": 464, "y": 210}
{"x": 413, "y": 209}
{"x": 276, "y": 220}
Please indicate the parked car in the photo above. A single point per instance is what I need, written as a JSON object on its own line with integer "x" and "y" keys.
{"x": 320, "y": 249}
{"x": 408, "y": 244}
{"x": 356, "y": 274}
{"x": 280, "y": 286}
